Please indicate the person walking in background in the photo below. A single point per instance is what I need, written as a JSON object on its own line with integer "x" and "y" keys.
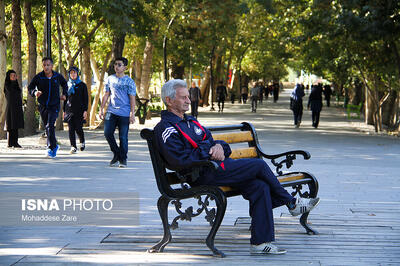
{"x": 254, "y": 93}
{"x": 46, "y": 87}
{"x": 232, "y": 96}
{"x": 14, "y": 112}
{"x": 121, "y": 90}
{"x": 75, "y": 108}
{"x": 244, "y": 93}
{"x": 315, "y": 102}
{"x": 275, "y": 91}
{"x": 221, "y": 95}
{"x": 195, "y": 96}
{"x": 296, "y": 104}
{"x": 261, "y": 90}
{"x": 327, "y": 94}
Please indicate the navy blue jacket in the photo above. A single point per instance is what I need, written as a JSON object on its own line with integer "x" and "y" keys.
{"x": 176, "y": 149}
{"x": 50, "y": 89}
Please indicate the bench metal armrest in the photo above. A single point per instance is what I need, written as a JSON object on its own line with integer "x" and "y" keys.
{"x": 288, "y": 159}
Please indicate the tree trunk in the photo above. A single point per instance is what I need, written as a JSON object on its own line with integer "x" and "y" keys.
{"x": 60, "y": 122}
{"x": 3, "y": 66}
{"x": 205, "y": 88}
{"x": 30, "y": 118}
{"x": 100, "y": 87}
{"x": 87, "y": 76}
{"x": 369, "y": 108}
{"x": 146, "y": 68}
{"x": 118, "y": 44}
{"x": 138, "y": 75}
{"x": 16, "y": 39}
{"x": 389, "y": 109}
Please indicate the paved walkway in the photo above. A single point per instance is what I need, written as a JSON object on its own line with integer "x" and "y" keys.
{"x": 358, "y": 172}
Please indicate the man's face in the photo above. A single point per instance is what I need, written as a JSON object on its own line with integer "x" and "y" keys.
{"x": 119, "y": 66}
{"x": 47, "y": 66}
{"x": 193, "y": 84}
{"x": 181, "y": 102}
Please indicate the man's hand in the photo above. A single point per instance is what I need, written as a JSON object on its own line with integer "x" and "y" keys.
{"x": 101, "y": 113}
{"x": 217, "y": 152}
{"x": 63, "y": 97}
{"x": 38, "y": 93}
{"x": 132, "y": 118}
{"x": 84, "y": 115}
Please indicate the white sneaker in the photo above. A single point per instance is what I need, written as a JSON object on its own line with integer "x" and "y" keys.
{"x": 304, "y": 205}
{"x": 73, "y": 150}
{"x": 266, "y": 249}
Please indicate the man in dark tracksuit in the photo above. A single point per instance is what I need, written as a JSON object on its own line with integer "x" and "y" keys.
{"x": 46, "y": 87}
{"x": 182, "y": 140}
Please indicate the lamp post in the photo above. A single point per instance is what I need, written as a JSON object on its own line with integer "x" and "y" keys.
{"x": 48, "y": 28}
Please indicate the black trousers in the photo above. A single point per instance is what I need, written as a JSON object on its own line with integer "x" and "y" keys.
{"x": 12, "y": 137}
{"x": 298, "y": 113}
{"x": 194, "y": 105}
{"x": 49, "y": 116}
{"x": 254, "y": 100}
{"x": 315, "y": 118}
{"x": 221, "y": 102}
{"x": 75, "y": 126}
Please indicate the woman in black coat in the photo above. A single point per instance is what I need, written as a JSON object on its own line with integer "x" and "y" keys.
{"x": 75, "y": 108}
{"x": 315, "y": 101}
{"x": 296, "y": 104}
{"x": 15, "y": 114}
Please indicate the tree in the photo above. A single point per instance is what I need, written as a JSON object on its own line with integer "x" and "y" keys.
{"x": 30, "y": 119}
{"x": 16, "y": 39}
{"x": 3, "y": 66}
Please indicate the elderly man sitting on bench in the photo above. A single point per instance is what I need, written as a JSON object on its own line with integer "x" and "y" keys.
{"x": 182, "y": 140}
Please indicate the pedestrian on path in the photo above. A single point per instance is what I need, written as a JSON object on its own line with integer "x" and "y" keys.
{"x": 261, "y": 91}
{"x": 221, "y": 96}
{"x": 327, "y": 94}
{"x": 195, "y": 96}
{"x": 46, "y": 87}
{"x": 244, "y": 93}
{"x": 182, "y": 140}
{"x": 315, "y": 102}
{"x": 75, "y": 108}
{"x": 254, "y": 94}
{"x": 14, "y": 112}
{"x": 296, "y": 103}
{"x": 275, "y": 91}
{"x": 121, "y": 90}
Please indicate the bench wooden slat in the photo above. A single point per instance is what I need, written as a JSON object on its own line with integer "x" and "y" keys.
{"x": 281, "y": 179}
{"x": 234, "y": 137}
{"x": 239, "y": 153}
{"x": 290, "y": 178}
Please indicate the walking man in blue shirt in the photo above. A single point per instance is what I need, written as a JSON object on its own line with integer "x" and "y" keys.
{"x": 46, "y": 87}
{"x": 121, "y": 90}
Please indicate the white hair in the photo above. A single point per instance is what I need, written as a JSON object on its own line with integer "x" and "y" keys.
{"x": 169, "y": 89}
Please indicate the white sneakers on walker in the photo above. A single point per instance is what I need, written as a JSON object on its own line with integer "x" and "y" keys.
{"x": 266, "y": 249}
{"x": 304, "y": 205}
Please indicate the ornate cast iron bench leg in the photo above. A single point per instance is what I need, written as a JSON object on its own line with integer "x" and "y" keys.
{"x": 313, "y": 187}
{"x": 304, "y": 223}
{"x": 162, "y": 205}
{"x": 221, "y": 207}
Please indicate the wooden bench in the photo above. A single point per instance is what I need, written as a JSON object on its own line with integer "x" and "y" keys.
{"x": 244, "y": 144}
{"x": 355, "y": 109}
